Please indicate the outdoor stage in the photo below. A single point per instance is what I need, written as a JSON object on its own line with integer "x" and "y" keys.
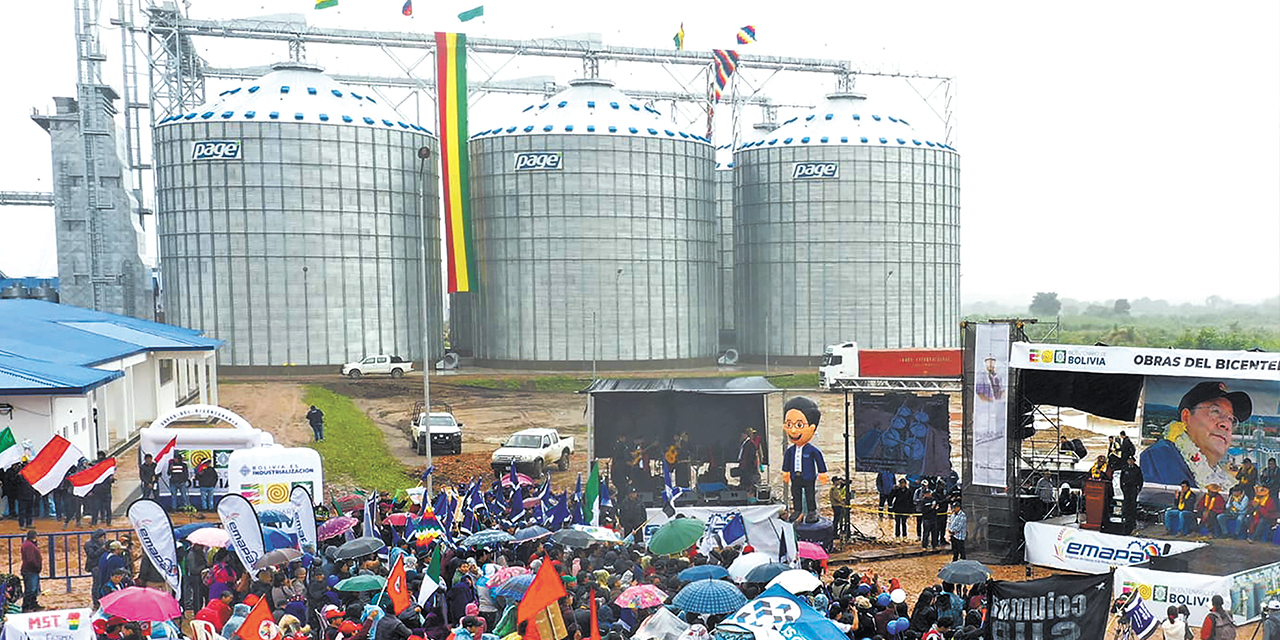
{"x": 1165, "y": 570}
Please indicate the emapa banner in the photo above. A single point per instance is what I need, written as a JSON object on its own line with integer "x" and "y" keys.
{"x": 1160, "y": 589}
{"x": 67, "y": 624}
{"x": 304, "y": 517}
{"x": 1054, "y": 607}
{"x": 241, "y": 523}
{"x": 1246, "y": 365}
{"x": 1059, "y": 547}
{"x": 155, "y": 533}
{"x": 765, "y": 530}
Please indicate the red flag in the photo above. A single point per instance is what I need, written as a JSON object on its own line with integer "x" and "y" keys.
{"x": 595, "y": 626}
{"x": 398, "y": 586}
{"x": 258, "y": 616}
{"x": 84, "y": 482}
{"x": 544, "y": 591}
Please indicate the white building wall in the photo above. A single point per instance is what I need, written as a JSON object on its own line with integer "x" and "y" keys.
{"x": 39, "y": 418}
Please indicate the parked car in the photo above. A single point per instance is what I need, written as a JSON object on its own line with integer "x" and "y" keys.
{"x": 533, "y": 450}
{"x": 394, "y": 366}
{"x": 445, "y": 432}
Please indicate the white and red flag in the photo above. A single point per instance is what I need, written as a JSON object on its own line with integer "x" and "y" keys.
{"x": 165, "y": 454}
{"x": 84, "y": 482}
{"x": 51, "y": 465}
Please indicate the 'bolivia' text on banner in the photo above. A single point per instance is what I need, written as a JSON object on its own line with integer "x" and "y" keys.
{"x": 1246, "y": 365}
{"x": 451, "y": 97}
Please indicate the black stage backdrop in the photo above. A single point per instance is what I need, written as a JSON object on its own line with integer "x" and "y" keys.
{"x": 1057, "y": 607}
{"x": 714, "y": 423}
{"x": 902, "y": 433}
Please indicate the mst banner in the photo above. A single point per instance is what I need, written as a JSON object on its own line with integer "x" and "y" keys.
{"x": 67, "y": 624}
{"x": 902, "y": 433}
{"x": 1246, "y": 365}
{"x": 1053, "y": 607}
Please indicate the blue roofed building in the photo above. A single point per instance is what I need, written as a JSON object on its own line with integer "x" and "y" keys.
{"x": 95, "y": 377}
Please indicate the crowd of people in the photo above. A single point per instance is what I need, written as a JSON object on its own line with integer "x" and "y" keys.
{"x": 25, "y": 504}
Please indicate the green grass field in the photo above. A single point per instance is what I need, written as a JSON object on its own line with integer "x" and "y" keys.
{"x": 354, "y": 450}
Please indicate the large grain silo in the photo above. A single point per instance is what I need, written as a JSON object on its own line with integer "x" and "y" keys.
{"x": 847, "y": 227}
{"x": 724, "y": 244}
{"x": 594, "y": 227}
{"x": 290, "y": 210}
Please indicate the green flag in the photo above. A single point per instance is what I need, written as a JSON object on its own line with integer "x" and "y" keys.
{"x": 591, "y": 496}
{"x": 337, "y": 510}
{"x": 471, "y": 14}
{"x": 433, "y": 570}
{"x": 10, "y": 452}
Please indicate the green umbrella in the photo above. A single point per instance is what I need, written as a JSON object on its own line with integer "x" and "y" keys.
{"x": 676, "y": 536}
{"x": 365, "y": 582}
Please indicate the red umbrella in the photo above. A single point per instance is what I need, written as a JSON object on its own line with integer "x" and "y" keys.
{"x": 520, "y": 477}
{"x": 396, "y": 519}
{"x": 140, "y": 604}
{"x": 350, "y": 502}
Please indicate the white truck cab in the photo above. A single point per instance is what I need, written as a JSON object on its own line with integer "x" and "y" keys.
{"x": 383, "y": 364}
{"x": 839, "y": 362}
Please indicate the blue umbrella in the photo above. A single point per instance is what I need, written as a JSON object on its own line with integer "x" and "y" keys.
{"x": 273, "y": 518}
{"x": 181, "y": 533}
{"x": 531, "y": 533}
{"x": 486, "y": 537}
{"x": 766, "y": 572}
{"x": 703, "y": 572}
{"x": 274, "y": 538}
{"x": 515, "y": 587}
{"x": 710, "y": 597}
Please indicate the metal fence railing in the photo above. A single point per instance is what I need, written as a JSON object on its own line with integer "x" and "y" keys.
{"x": 63, "y": 553}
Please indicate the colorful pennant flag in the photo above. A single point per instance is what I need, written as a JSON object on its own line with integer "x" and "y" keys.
{"x": 471, "y": 14}
{"x": 325, "y": 4}
{"x": 747, "y": 34}
{"x": 407, "y": 9}
{"x": 726, "y": 64}
{"x": 451, "y": 85}
{"x": 679, "y": 38}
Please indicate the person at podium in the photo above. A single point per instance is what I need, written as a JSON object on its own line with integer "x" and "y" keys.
{"x": 1194, "y": 447}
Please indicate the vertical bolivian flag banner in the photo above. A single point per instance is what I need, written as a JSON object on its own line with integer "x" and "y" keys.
{"x": 451, "y": 85}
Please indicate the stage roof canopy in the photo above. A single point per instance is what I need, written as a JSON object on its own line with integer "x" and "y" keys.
{"x": 747, "y": 385}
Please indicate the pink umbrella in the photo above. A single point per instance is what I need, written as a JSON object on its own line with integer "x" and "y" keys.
{"x": 644, "y": 596}
{"x": 139, "y": 604}
{"x": 334, "y": 527}
{"x": 811, "y": 551}
{"x": 504, "y": 574}
{"x": 397, "y": 519}
{"x": 520, "y": 477}
{"x": 209, "y": 537}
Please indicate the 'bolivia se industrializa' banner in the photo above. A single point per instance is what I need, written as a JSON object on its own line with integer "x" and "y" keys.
{"x": 155, "y": 533}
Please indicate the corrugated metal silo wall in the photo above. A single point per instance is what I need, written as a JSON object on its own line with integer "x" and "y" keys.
{"x": 872, "y": 255}
{"x": 625, "y": 230}
{"x": 341, "y": 201}
{"x": 724, "y": 251}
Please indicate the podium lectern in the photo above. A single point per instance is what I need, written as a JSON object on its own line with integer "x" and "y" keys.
{"x": 1097, "y": 496}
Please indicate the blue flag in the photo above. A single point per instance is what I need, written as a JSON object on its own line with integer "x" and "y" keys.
{"x": 371, "y": 515}
{"x": 558, "y": 513}
{"x": 576, "y": 513}
{"x": 734, "y": 532}
{"x": 515, "y": 510}
{"x": 670, "y": 492}
{"x": 470, "y": 523}
{"x": 513, "y": 476}
{"x": 605, "y": 499}
{"x": 475, "y": 501}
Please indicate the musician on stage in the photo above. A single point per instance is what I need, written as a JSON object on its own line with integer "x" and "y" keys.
{"x": 748, "y": 470}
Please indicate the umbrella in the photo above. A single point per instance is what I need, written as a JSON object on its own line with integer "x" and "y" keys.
{"x": 273, "y": 518}
{"x": 531, "y": 533}
{"x": 350, "y": 502}
{"x": 796, "y": 581}
{"x": 644, "y": 596}
{"x": 573, "y": 538}
{"x": 520, "y": 477}
{"x": 486, "y": 537}
{"x": 366, "y": 582}
{"x": 601, "y": 534}
{"x": 743, "y": 564}
{"x": 513, "y": 587}
{"x": 676, "y": 536}
{"x": 504, "y": 574}
{"x": 209, "y": 537}
{"x": 710, "y": 597}
{"x": 358, "y": 547}
{"x": 703, "y": 572}
{"x": 811, "y": 551}
{"x": 766, "y": 572}
{"x": 397, "y": 519}
{"x": 334, "y": 527}
{"x": 278, "y": 556}
{"x": 276, "y": 538}
{"x": 185, "y": 530}
{"x": 964, "y": 572}
{"x": 139, "y": 604}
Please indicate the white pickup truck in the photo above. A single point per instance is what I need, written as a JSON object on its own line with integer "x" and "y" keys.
{"x": 444, "y": 429}
{"x": 384, "y": 364}
{"x": 532, "y": 450}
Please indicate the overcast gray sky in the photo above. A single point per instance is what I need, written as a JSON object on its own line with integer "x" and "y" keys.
{"x": 1108, "y": 149}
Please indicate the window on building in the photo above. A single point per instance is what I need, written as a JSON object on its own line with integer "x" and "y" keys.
{"x": 166, "y": 371}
